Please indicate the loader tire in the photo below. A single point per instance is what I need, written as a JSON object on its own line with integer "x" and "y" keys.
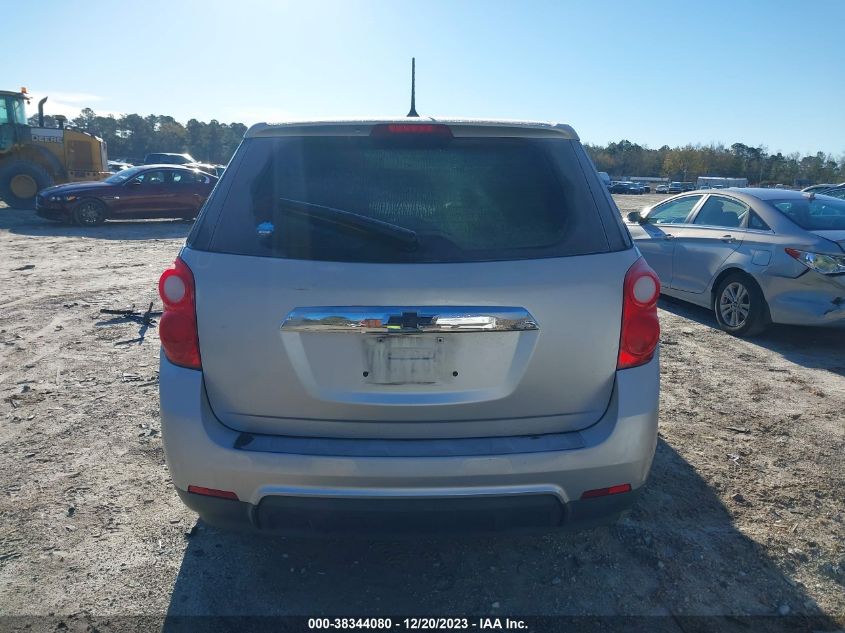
{"x": 20, "y": 181}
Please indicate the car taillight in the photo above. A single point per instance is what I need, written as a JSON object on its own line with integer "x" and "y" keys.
{"x": 820, "y": 262}
{"x": 640, "y": 327}
{"x": 415, "y": 129}
{"x": 178, "y": 325}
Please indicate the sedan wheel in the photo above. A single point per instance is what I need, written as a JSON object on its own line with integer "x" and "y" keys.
{"x": 89, "y": 213}
{"x": 740, "y": 306}
{"x": 735, "y": 304}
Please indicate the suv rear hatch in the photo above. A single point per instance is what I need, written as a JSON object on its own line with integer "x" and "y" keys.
{"x": 409, "y": 280}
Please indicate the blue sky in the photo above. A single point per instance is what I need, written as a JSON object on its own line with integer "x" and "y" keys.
{"x": 764, "y": 72}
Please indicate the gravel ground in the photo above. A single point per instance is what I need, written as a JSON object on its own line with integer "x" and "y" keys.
{"x": 743, "y": 514}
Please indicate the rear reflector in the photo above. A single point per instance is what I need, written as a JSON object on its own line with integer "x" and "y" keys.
{"x": 213, "y": 492}
{"x": 416, "y": 129}
{"x": 604, "y": 492}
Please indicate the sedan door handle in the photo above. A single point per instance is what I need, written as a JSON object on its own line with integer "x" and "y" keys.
{"x": 730, "y": 239}
{"x": 668, "y": 236}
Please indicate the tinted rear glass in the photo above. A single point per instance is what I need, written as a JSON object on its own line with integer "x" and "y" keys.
{"x": 359, "y": 199}
{"x": 823, "y": 213}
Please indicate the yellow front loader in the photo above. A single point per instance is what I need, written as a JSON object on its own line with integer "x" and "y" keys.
{"x": 33, "y": 158}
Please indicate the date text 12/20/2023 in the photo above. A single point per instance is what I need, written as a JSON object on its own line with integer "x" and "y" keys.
{"x": 417, "y": 624}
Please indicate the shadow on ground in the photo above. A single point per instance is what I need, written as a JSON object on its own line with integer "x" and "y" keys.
{"x": 22, "y": 222}
{"x": 678, "y": 554}
{"x": 813, "y": 347}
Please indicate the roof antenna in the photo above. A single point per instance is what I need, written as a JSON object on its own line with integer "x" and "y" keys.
{"x": 413, "y": 111}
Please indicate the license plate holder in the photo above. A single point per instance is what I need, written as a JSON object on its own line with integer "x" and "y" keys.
{"x": 415, "y": 359}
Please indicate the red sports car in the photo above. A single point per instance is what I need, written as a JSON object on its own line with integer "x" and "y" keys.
{"x": 149, "y": 191}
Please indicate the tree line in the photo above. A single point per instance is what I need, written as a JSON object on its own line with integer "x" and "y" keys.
{"x": 626, "y": 159}
{"x": 132, "y": 136}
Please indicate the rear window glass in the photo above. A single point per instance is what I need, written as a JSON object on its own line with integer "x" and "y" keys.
{"x": 822, "y": 213}
{"x": 360, "y": 199}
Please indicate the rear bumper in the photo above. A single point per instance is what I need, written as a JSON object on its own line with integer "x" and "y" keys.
{"x": 315, "y": 515}
{"x": 287, "y": 489}
{"x": 810, "y": 299}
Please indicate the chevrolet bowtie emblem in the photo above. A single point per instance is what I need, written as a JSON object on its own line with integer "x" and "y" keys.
{"x": 405, "y": 321}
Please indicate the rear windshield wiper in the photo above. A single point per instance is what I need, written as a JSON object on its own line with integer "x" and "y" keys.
{"x": 350, "y": 220}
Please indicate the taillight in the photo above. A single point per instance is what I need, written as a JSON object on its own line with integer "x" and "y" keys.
{"x": 640, "y": 327}
{"x": 414, "y": 129}
{"x": 178, "y": 325}
{"x": 821, "y": 263}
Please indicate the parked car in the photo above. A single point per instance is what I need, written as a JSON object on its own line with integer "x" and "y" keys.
{"x": 646, "y": 188}
{"x": 818, "y": 188}
{"x": 205, "y": 167}
{"x": 116, "y": 166}
{"x": 165, "y": 158}
{"x": 675, "y": 187}
{"x": 753, "y": 256}
{"x": 626, "y": 187}
{"x": 836, "y": 192}
{"x": 661, "y": 189}
{"x": 372, "y": 327}
{"x": 152, "y": 191}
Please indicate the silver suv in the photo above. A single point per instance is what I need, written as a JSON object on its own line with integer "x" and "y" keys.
{"x": 409, "y": 324}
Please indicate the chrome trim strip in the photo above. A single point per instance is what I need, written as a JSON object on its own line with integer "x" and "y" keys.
{"x": 409, "y": 319}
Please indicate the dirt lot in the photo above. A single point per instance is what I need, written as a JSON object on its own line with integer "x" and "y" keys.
{"x": 744, "y": 513}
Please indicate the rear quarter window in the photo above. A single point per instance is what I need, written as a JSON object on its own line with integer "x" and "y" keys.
{"x": 464, "y": 199}
{"x": 756, "y": 222}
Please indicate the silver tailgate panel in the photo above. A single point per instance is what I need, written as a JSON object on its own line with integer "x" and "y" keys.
{"x": 552, "y": 370}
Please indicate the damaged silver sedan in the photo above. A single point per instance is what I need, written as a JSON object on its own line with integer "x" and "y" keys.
{"x": 753, "y": 256}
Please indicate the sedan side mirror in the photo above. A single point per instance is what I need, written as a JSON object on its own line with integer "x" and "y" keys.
{"x": 135, "y": 182}
{"x": 635, "y": 217}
